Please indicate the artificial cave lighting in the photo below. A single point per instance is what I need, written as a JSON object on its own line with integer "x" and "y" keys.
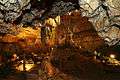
{"x": 28, "y": 66}
{"x": 112, "y": 56}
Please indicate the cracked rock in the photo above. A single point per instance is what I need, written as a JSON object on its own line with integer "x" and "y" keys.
{"x": 13, "y": 8}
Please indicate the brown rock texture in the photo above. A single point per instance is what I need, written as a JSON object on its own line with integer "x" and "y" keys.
{"x": 83, "y": 33}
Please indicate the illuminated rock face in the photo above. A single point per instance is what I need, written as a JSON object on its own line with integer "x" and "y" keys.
{"x": 89, "y": 5}
{"x": 102, "y": 19}
{"x": 78, "y": 31}
{"x": 114, "y": 3}
{"x": 10, "y": 10}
